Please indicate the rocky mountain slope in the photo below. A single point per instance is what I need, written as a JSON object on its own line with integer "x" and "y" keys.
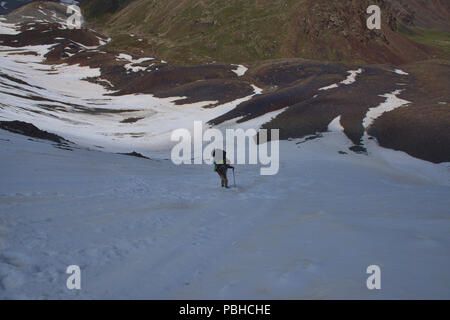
{"x": 193, "y": 31}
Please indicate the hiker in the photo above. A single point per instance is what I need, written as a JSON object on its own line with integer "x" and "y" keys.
{"x": 221, "y": 166}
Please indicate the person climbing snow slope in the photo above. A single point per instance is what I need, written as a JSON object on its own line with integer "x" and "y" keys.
{"x": 221, "y": 166}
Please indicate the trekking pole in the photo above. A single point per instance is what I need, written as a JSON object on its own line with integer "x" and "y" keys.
{"x": 234, "y": 178}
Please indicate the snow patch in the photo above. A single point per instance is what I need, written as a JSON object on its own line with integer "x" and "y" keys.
{"x": 351, "y": 78}
{"x": 335, "y": 85}
{"x": 241, "y": 70}
{"x": 131, "y": 66}
{"x": 8, "y": 28}
{"x": 392, "y": 102}
{"x": 400, "y": 72}
{"x": 335, "y": 125}
{"x": 256, "y": 89}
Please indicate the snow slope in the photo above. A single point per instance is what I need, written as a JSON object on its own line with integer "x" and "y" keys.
{"x": 148, "y": 229}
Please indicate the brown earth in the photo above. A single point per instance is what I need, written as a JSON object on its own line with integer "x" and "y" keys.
{"x": 422, "y": 128}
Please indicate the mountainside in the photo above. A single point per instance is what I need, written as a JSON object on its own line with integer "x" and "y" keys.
{"x": 193, "y": 31}
{"x": 405, "y": 107}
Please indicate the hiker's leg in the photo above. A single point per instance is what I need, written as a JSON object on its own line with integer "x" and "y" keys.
{"x": 221, "y": 177}
{"x": 222, "y": 171}
{"x": 225, "y": 178}
{"x": 222, "y": 180}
